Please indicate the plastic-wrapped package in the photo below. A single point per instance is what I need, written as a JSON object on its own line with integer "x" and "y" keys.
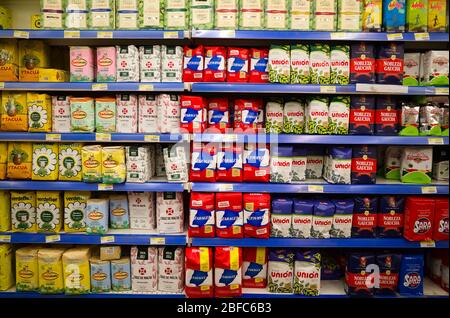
{"x": 176, "y": 15}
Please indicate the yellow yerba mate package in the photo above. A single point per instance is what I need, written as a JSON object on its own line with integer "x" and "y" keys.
{"x": 76, "y": 271}
{"x": 5, "y": 211}
{"x": 45, "y": 162}
{"x": 92, "y": 163}
{"x": 75, "y": 211}
{"x": 27, "y": 278}
{"x": 14, "y": 112}
{"x": 20, "y": 155}
{"x": 23, "y": 211}
{"x": 113, "y": 165}
{"x": 70, "y": 162}
{"x": 3, "y": 159}
{"x": 39, "y": 112}
{"x": 48, "y": 211}
{"x": 51, "y": 277}
{"x": 6, "y": 267}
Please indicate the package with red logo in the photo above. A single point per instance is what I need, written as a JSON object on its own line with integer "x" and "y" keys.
{"x": 362, "y": 115}
{"x": 391, "y": 216}
{"x": 389, "y": 265}
{"x": 246, "y": 113}
{"x": 229, "y": 215}
{"x": 342, "y": 219}
{"x": 237, "y": 64}
{"x": 307, "y": 273}
{"x": 365, "y": 217}
{"x": 390, "y": 60}
{"x": 359, "y": 274}
{"x": 229, "y": 164}
{"x": 218, "y": 115}
{"x": 322, "y": 219}
{"x": 227, "y": 271}
{"x": 203, "y": 162}
{"x": 281, "y": 271}
{"x": 419, "y": 215}
{"x": 202, "y": 215}
{"x": 193, "y": 114}
{"x": 416, "y": 165}
{"x": 411, "y": 275}
{"x": 193, "y": 64}
{"x": 302, "y": 218}
{"x": 338, "y": 165}
{"x": 258, "y": 65}
{"x": 362, "y": 63}
{"x": 440, "y": 231}
{"x": 364, "y": 165}
{"x": 386, "y": 116}
{"x": 256, "y": 163}
{"x": 199, "y": 272}
{"x": 254, "y": 269}
{"x": 215, "y": 64}
{"x": 256, "y": 215}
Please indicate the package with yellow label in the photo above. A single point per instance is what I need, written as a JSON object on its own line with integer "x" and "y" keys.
{"x": 51, "y": 278}
{"x": 23, "y": 211}
{"x": 3, "y": 159}
{"x": 48, "y": 211}
{"x": 20, "y": 155}
{"x": 45, "y": 162}
{"x": 33, "y": 54}
{"x": 9, "y": 60}
{"x": 6, "y": 267}
{"x": 5, "y": 18}
{"x": 39, "y": 112}
{"x": 92, "y": 163}
{"x": 76, "y": 270}
{"x": 14, "y": 112}
{"x": 27, "y": 277}
{"x": 75, "y": 211}
{"x": 70, "y": 162}
{"x": 36, "y": 22}
{"x": 82, "y": 114}
{"x": 5, "y": 211}
{"x": 52, "y": 75}
{"x": 113, "y": 165}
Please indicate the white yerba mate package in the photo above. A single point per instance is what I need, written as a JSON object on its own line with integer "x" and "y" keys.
{"x": 176, "y": 165}
{"x": 337, "y": 165}
{"x": 294, "y": 117}
{"x": 171, "y": 63}
{"x": 416, "y": 165}
{"x": 169, "y": 113}
{"x": 139, "y": 164}
{"x": 144, "y": 268}
{"x": 281, "y": 164}
{"x": 127, "y": 63}
{"x": 142, "y": 210}
{"x": 171, "y": 269}
{"x": 127, "y": 109}
{"x": 148, "y": 114}
{"x": 300, "y": 73}
{"x": 160, "y": 167}
{"x": 61, "y": 114}
{"x": 169, "y": 212}
{"x": 150, "y": 63}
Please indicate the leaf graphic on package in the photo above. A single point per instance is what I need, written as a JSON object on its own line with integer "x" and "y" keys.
{"x": 253, "y": 269}
{"x": 256, "y": 218}
{"x": 227, "y": 277}
{"x": 198, "y": 277}
{"x": 229, "y": 218}
{"x": 201, "y": 217}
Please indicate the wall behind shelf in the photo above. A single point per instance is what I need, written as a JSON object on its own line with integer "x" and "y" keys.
{"x": 21, "y": 11}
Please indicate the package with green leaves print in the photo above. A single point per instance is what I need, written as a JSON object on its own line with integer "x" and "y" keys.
{"x": 226, "y": 15}
{"x": 127, "y": 14}
{"x": 340, "y": 64}
{"x": 251, "y": 15}
{"x": 202, "y": 14}
{"x": 339, "y": 115}
{"x": 279, "y": 64}
{"x": 294, "y": 117}
{"x": 276, "y": 15}
{"x": 350, "y": 15}
{"x": 82, "y": 118}
{"x": 48, "y": 211}
{"x": 316, "y": 115}
{"x": 76, "y": 14}
{"x": 299, "y": 56}
{"x": 176, "y": 15}
{"x": 102, "y": 15}
{"x": 391, "y": 165}
{"x": 70, "y": 162}
{"x": 274, "y": 116}
{"x": 324, "y": 15}
{"x": 280, "y": 271}
{"x": 319, "y": 62}
{"x": 301, "y": 15}
{"x": 75, "y": 211}
{"x": 151, "y": 14}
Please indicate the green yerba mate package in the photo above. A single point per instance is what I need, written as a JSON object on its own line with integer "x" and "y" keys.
{"x": 417, "y": 15}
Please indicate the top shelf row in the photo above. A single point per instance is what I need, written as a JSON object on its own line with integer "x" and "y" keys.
{"x": 225, "y": 34}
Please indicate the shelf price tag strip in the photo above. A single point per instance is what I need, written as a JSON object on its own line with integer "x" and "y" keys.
{"x": 105, "y": 187}
{"x": 428, "y": 244}
{"x": 107, "y": 239}
{"x": 328, "y": 89}
{"x": 315, "y": 188}
{"x": 151, "y": 138}
{"x": 104, "y": 35}
{"x": 71, "y": 34}
{"x": 21, "y": 34}
{"x": 225, "y": 187}
{"x": 2, "y": 85}
{"x": 441, "y": 91}
{"x": 394, "y": 36}
{"x": 102, "y": 137}
{"x": 53, "y": 137}
{"x": 146, "y": 87}
{"x": 157, "y": 241}
{"x": 422, "y": 36}
{"x": 435, "y": 141}
{"x": 429, "y": 190}
{"x": 52, "y": 238}
{"x": 99, "y": 87}
{"x": 171, "y": 35}
{"x": 5, "y": 238}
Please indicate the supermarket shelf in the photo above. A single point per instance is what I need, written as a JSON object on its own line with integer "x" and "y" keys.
{"x": 153, "y": 186}
{"x": 314, "y": 35}
{"x": 91, "y": 137}
{"x": 314, "y": 243}
{"x": 102, "y": 87}
{"x": 321, "y": 139}
{"x": 95, "y": 34}
{"x": 319, "y": 186}
{"x": 266, "y": 88}
{"x": 117, "y": 237}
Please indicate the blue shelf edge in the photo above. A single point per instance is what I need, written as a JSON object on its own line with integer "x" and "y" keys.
{"x": 314, "y": 243}
{"x": 100, "y": 34}
{"x": 104, "y": 295}
{"x": 110, "y": 87}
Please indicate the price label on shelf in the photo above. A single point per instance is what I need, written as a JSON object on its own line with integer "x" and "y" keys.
{"x": 104, "y": 35}
{"x": 102, "y": 137}
{"x": 106, "y": 239}
{"x": 395, "y": 36}
{"x": 157, "y": 241}
{"x": 429, "y": 190}
{"x": 441, "y": 90}
{"x": 5, "y": 238}
{"x": 2, "y": 85}
{"x": 53, "y": 137}
{"x": 21, "y": 34}
{"x": 146, "y": 87}
{"x": 315, "y": 188}
{"x": 338, "y": 35}
{"x": 105, "y": 187}
{"x": 435, "y": 141}
{"x": 422, "y": 36}
{"x": 328, "y": 89}
{"x": 228, "y": 34}
{"x": 171, "y": 35}
{"x": 71, "y": 34}
{"x": 100, "y": 87}
{"x": 225, "y": 187}
{"x": 52, "y": 238}
{"x": 428, "y": 244}
{"x": 151, "y": 138}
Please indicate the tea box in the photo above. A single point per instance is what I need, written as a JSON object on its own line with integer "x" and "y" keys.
{"x": 23, "y": 211}
{"x": 9, "y": 60}
{"x": 3, "y": 159}
{"x": 100, "y": 275}
{"x": 5, "y": 211}
{"x": 50, "y": 268}
{"x": 91, "y": 157}
{"x": 113, "y": 165}
{"x": 14, "y": 112}
{"x": 19, "y": 160}
{"x": 121, "y": 274}
{"x": 81, "y": 64}
{"x": 48, "y": 211}
{"x": 6, "y": 267}
{"x": 76, "y": 271}
{"x": 106, "y": 64}
{"x": 45, "y": 162}
{"x": 75, "y": 211}
{"x": 97, "y": 214}
{"x": 82, "y": 114}
{"x": 27, "y": 275}
{"x": 39, "y": 112}
{"x": 70, "y": 162}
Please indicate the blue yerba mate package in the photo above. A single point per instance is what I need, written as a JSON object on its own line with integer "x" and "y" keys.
{"x": 389, "y": 265}
{"x": 359, "y": 274}
{"x": 411, "y": 275}
{"x": 391, "y": 216}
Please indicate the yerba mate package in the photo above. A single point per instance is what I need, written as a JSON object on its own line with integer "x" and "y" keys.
{"x": 389, "y": 265}
{"x": 364, "y": 164}
{"x": 322, "y": 219}
{"x": 259, "y": 59}
{"x": 281, "y": 164}
{"x": 440, "y": 163}
{"x": 193, "y": 64}
{"x": 300, "y": 69}
{"x": 392, "y": 159}
{"x": 199, "y": 272}
{"x": 237, "y": 64}
{"x": 365, "y": 217}
{"x": 279, "y": 64}
{"x": 430, "y": 120}
{"x": 307, "y": 273}
{"x": 409, "y": 119}
{"x": 302, "y": 218}
{"x": 256, "y": 163}
{"x": 337, "y": 165}
{"x": 215, "y": 64}
{"x": 362, "y": 63}
{"x": 339, "y": 115}
{"x": 417, "y": 15}
{"x": 440, "y": 229}
{"x": 229, "y": 215}
{"x": 316, "y": 115}
{"x": 391, "y": 216}
{"x": 254, "y": 267}
{"x": 419, "y": 218}
{"x": 362, "y": 115}
{"x": 202, "y": 215}
{"x": 389, "y": 67}
{"x": 280, "y": 271}
{"x": 144, "y": 268}
{"x": 203, "y": 164}
{"x": 314, "y": 162}
{"x": 342, "y": 219}
{"x": 386, "y": 116}
{"x": 394, "y": 15}
{"x": 359, "y": 280}
{"x": 416, "y": 165}
{"x": 411, "y": 275}
{"x": 229, "y": 164}
{"x": 281, "y": 217}
{"x": 227, "y": 271}
{"x": 256, "y": 215}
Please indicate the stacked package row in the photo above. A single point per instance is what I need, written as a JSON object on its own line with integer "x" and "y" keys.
{"x": 328, "y": 15}
{"x": 81, "y": 211}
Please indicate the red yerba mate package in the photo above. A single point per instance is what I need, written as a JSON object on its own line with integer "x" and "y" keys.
{"x": 362, "y": 63}
{"x": 362, "y": 115}
{"x": 389, "y": 265}
{"x": 390, "y": 60}
{"x": 419, "y": 216}
{"x": 440, "y": 231}
{"x": 258, "y": 65}
{"x": 358, "y": 280}
{"x": 386, "y": 116}
{"x": 227, "y": 271}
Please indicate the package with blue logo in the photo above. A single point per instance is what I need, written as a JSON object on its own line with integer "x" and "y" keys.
{"x": 302, "y": 218}
{"x": 227, "y": 271}
{"x": 338, "y": 165}
{"x": 411, "y": 275}
{"x": 229, "y": 164}
{"x": 394, "y": 15}
{"x": 215, "y": 64}
{"x": 202, "y": 215}
{"x": 342, "y": 220}
{"x": 259, "y": 58}
{"x": 307, "y": 273}
{"x": 199, "y": 272}
{"x": 254, "y": 268}
{"x": 256, "y": 163}
{"x": 256, "y": 215}
{"x": 203, "y": 163}
{"x": 237, "y": 64}
{"x": 218, "y": 115}
{"x": 193, "y": 64}
{"x": 119, "y": 217}
{"x": 121, "y": 274}
{"x": 322, "y": 219}
{"x": 229, "y": 215}
{"x": 247, "y": 113}
{"x": 281, "y": 217}
{"x": 193, "y": 114}
{"x": 100, "y": 275}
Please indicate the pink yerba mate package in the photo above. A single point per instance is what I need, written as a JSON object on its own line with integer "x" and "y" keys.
{"x": 106, "y": 64}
